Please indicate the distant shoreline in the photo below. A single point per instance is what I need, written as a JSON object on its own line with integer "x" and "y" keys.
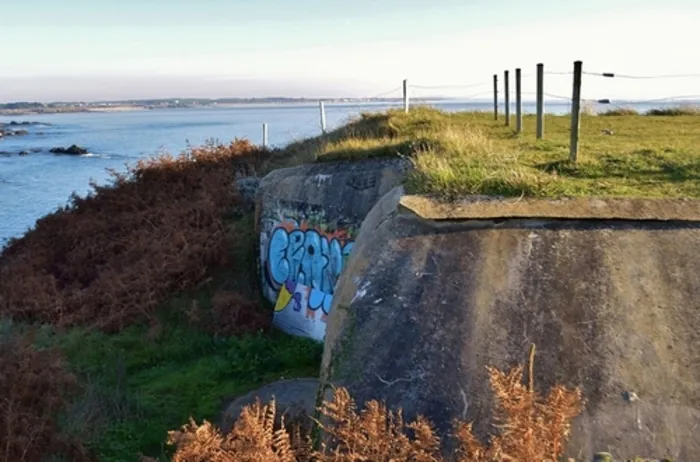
{"x": 18, "y": 109}
{"x": 24, "y": 109}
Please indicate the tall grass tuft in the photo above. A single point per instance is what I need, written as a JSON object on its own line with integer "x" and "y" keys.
{"x": 675, "y": 111}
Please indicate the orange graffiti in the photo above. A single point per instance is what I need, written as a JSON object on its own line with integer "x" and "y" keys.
{"x": 340, "y": 234}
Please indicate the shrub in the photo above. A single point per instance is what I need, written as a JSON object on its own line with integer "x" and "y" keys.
{"x": 110, "y": 259}
{"x": 34, "y": 386}
{"x": 674, "y": 111}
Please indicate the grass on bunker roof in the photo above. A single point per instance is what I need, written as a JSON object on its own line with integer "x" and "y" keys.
{"x": 621, "y": 154}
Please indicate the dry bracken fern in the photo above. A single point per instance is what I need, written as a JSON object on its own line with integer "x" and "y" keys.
{"x": 532, "y": 429}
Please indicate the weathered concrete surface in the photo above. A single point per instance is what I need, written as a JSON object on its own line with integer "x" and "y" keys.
{"x": 308, "y": 217}
{"x": 294, "y": 398}
{"x": 613, "y": 306}
{"x": 570, "y": 208}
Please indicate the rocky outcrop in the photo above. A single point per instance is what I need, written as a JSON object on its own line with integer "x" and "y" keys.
{"x": 72, "y": 150}
{"x": 607, "y": 290}
{"x": 8, "y": 133}
{"x": 294, "y": 398}
{"x": 25, "y": 123}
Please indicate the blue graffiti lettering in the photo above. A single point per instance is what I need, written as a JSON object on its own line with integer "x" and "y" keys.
{"x": 309, "y": 258}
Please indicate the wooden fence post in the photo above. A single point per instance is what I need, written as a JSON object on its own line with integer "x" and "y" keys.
{"x": 518, "y": 102}
{"x": 506, "y": 87}
{"x": 323, "y": 116}
{"x": 495, "y": 96}
{"x": 405, "y": 95}
{"x": 575, "y": 111}
{"x": 540, "y": 101}
{"x": 264, "y": 140}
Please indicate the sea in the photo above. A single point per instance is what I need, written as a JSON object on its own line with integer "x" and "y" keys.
{"x": 38, "y": 183}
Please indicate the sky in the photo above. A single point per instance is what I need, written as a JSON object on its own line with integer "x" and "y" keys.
{"x": 117, "y": 49}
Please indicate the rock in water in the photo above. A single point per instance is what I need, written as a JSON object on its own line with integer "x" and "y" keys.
{"x": 72, "y": 150}
{"x": 15, "y": 133}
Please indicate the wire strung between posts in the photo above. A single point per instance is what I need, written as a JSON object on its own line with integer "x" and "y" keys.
{"x": 476, "y": 95}
{"x": 567, "y": 98}
{"x": 385, "y": 93}
{"x": 557, "y": 73}
{"x": 641, "y": 77}
{"x": 438, "y": 87}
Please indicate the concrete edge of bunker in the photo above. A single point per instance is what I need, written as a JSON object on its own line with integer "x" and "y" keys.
{"x": 589, "y": 208}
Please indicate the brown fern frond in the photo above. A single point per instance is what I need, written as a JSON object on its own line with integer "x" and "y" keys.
{"x": 282, "y": 444}
{"x": 425, "y": 446}
{"x": 302, "y": 445}
{"x": 531, "y": 430}
{"x": 199, "y": 443}
{"x": 557, "y": 411}
{"x": 469, "y": 448}
{"x": 376, "y": 434}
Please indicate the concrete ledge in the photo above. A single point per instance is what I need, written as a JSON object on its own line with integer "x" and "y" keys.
{"x": 480, "y": 207}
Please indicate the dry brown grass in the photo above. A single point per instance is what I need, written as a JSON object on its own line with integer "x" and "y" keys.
{"x": 34, "y": 386}
{"x": 110, "y": 259}
{"x": 533, "y": 428}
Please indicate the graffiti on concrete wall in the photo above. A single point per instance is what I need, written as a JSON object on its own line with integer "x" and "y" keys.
{"x": 302, "y": 255}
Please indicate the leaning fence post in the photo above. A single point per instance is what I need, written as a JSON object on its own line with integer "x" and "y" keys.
{"x": 323, "y": 116}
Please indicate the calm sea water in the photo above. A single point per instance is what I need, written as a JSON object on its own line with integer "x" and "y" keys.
{"x": 34, "y": 185}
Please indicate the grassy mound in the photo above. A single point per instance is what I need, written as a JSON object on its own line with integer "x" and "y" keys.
{"x": 469, "y": 153}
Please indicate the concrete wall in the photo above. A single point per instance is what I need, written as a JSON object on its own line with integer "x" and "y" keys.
{"x": 610, "y": 297}
{"x": 308, "y": 218}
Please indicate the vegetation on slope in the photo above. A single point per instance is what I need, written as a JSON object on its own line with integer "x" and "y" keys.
{"x": 127, "y": 312}
{"x": 470, "y": 153}
{"x": 532, "y": 428}
{"x": 135, "y": 309}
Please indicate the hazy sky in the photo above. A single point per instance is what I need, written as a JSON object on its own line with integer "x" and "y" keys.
{"x": 108, "y": 49}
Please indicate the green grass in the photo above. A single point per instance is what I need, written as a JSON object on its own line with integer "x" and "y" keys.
{"x": 139, "y": 384}
{"x": 469, "y": 153}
